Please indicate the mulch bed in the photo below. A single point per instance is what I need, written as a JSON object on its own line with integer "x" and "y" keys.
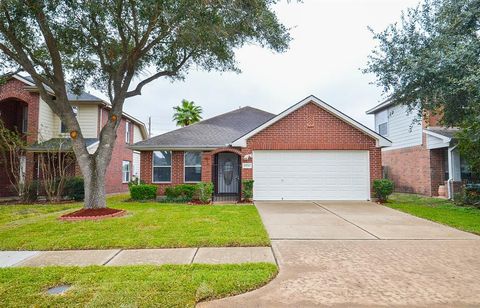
{"x": 92, "y": 214}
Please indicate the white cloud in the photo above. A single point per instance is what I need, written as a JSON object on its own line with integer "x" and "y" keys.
{"x": 331, "y": 43}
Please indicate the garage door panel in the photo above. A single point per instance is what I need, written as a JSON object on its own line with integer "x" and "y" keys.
{"x": 311, "y": 175}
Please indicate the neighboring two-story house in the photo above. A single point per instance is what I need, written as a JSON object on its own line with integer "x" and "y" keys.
{"x": 423, "y": 158}
{"x": 23, "y": 110}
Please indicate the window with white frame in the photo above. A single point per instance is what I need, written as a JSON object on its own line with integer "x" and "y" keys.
{"x": 193, "y": 166}
{"x": 383, "y": 129}
{"x": 127, "y": 132}
{"x": 126, "y": 171}
{"x": 162, "y": 166}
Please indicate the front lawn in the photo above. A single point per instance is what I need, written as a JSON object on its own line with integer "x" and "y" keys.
{"x": 130, "y": 286}
{"x": 147, "y": 225}
{"x": 438, "y": 210}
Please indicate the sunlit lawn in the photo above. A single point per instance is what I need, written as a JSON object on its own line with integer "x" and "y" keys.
{"x": 439, "y": 210}
{"x": 130, "y": 286}
{"x": 147, "y": 225}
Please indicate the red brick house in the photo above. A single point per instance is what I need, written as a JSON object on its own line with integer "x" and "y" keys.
{"x": 311, "y": 151}
{"x": 423, "y": 158}
{"x": 23, "y": 110}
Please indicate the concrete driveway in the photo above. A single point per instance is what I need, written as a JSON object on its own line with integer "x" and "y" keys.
{"x": 363, "y": 254}
{"x": 353, "y": 220}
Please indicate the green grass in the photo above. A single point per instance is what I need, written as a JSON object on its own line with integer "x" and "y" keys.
{"x": 147, "y": 225}
{"x": 130, "y": 286}
{"x": 438, "y": 210}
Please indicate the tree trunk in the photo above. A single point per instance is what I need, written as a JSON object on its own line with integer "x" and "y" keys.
{"x": 94, "y": 180}
{"x": 95, "y": 194}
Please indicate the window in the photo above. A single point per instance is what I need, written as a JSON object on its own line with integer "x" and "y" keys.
{"x": 126, "y": 171}
{"x": 63, "y": 127}
{"x": 127, "y": 132}
{"x": 193, "y": 166}
{"x": 383, "y": 129}
{"x": 162, "y": 166}
{"x": 24, "y": 119}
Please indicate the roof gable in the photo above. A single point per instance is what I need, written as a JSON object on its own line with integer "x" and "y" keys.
{"x": 380, "y": 140}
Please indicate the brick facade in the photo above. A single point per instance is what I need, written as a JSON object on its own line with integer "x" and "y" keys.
{"x": 14, "y": 92}
{"x": 308, "y": 128}
{"x": 121, "y": 153}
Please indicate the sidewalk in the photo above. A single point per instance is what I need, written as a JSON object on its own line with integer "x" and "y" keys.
{"x": 120, "y": 257}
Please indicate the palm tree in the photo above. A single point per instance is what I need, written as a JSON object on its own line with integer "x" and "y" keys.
{"x": 187, "y": 113}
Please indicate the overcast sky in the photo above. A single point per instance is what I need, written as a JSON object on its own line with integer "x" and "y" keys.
{"x": 330, "y": 45}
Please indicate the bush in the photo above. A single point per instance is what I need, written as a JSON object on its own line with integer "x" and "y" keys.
{"x": 74, "y": 188}
{"x": 30, "y": 194}
{"x": 470, "y": 195}
{"x": 135, "y": 181}
{"x": 143, "y": 192}
{"x": 204, "y": 192}
{"x": 383, "y": 188}
{"x": 247, "y": 189}
{"x": 186, "y": 191}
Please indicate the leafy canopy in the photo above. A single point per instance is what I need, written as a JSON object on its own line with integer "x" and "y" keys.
{"x": 107, "y": 43}
{"x": 187, "y": 113}
{"x": 431, "y": 60}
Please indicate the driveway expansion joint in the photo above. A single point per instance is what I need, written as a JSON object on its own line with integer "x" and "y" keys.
{"x": 322, "y": 207}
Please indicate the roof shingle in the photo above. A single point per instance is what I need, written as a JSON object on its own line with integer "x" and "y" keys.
{"x": 211, "y": 133}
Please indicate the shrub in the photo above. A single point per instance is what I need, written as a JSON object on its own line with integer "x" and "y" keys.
{"x": 203, "y": 192}
{"x": 186, "y": 191}
{"x": 30, "y": 193}
{"x": 135, "y": 181}
{"x": 383, "y": 188}
{"x": 143, "y": 192}
{"x": 74, "y": 188}
{"x": 470, "y": 195}
{"x": 247, "y": 189}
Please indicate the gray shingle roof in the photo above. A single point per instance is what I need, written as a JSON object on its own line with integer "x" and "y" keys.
{"x": 211, "y": 133}
{"x": 448, "y": 132}
{"x": 84, "y": 96}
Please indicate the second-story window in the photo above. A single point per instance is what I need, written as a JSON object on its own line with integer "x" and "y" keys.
{"x": 127, "y": 132}
{"x": 383, "y": 129}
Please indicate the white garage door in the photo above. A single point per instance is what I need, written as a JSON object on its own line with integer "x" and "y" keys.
{"x": 311, "y": 175}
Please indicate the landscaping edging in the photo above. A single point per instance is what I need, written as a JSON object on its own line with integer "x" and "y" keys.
{"x": 92, "y": 214}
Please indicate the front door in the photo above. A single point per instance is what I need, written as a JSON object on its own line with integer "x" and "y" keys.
{"x": 227, "y": 173}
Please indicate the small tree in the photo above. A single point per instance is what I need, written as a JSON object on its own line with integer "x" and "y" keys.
{"x": 55, "y": 164}
{"x": 12, "y": 151}
{"x": 187, "y": 113}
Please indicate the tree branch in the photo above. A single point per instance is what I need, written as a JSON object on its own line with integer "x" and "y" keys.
{"x": 138, "y": 89}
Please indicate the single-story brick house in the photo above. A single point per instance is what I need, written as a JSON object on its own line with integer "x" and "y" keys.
{"x": 311, "y": 151}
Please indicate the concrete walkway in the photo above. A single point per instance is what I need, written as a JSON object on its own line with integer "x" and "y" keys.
{"x": 117, "y": 257}
{"x": 360, "y": 254}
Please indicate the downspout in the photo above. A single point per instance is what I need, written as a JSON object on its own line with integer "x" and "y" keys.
{"x": 450, "y": 172}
